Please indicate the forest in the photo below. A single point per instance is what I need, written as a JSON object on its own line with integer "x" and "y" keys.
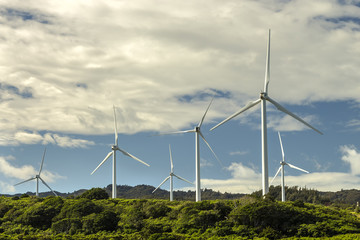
{"x": 93, "y": 215}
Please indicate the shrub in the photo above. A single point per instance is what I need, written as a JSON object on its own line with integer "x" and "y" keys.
{"x": 95, "y": 193}
{"x": 78, "y": 208}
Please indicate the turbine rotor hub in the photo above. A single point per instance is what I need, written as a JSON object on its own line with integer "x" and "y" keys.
{"x": 114, "y": 147}
{"x": 263, "y": 95}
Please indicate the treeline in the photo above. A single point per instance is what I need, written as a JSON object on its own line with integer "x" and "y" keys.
{"x": 343, "y": 197}
{"x": 144, "y": 192}
{"x": 92, "y": 215}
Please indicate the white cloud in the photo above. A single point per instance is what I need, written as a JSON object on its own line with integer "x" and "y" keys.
{"x": 353, "y": 124}
{"x": 5, "y": 187}
{"x": 239, "y": 171}
{"x": 22, "y": 137}
{"x": 240, "y": 153}
{"x": 25, "y": 172}
{"x": 352, "y": 157}
{"x": 64, "y": 141}
{"x": 84, "y": 57}
{"x": 205, "y": 163}
{"x": 247, "y": 180}
{"x": 283, "y": 122}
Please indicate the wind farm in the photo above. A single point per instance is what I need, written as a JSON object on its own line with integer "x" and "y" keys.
{"x": 161, "y": 77}
{"x": 198, "y": 134}
{"x": 77, "y": 74}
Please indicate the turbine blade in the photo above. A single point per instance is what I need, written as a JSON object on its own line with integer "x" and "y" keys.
{"x": 202, "y": 120}
{"x": 248, "y": 106}
{"x": 161, "y": 183}
{"x": 181, "y": 178}
{"x": 281, "y": 108}
{"x": 106, "y": 158}
{"x": 202, "y": 136}
{"x": 115, "y": 127}
{"x": 277, "y": 173}
{"x": 133, "y": 157}
{"x": 267, "y": 68}
{"x": 42, "y": 161}
{"x": 295, "y": 167}
{"x": 177, "y": 132}
{"x": 171, "y": 161}
{"x": 25, "y": 181}
{"x": 282, "y": 149}
{"x": 47, "y": 186}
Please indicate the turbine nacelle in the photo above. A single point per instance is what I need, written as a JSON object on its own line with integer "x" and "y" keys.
{"x": 263, "y": 95}
{"x": 114, "y": 147}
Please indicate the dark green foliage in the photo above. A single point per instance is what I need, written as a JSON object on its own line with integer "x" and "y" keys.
{"x": 244, "y": 218}
{"x": 78, "y": 208}
{"x": 24, "y": 195}
{"x": 40, "y": 215}
{"x": 95, "y": 193}
{"x": 67, "y": 225}
{"x": 104, "y": 221}
{"x": 156, "y": 209}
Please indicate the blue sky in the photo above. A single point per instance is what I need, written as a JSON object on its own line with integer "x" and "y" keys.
{"x": 65, "y": 64}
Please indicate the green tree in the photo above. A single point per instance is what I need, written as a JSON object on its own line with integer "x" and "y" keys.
{"x": 40, "y": 215}
{"x": 95, "y": 193}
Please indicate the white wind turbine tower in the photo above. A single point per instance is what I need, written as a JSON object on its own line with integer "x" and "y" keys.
{"x": 263, "y": 98}
{"x": 113, "y": 153}
{"x": 281, "y": 168}
{"x": 198, "y": 133}
{"x": 37, "y": 177}
{"x": 171, "y": 175}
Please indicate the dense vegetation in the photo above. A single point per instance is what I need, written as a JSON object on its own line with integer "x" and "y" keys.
{"x": 93, "y": 215}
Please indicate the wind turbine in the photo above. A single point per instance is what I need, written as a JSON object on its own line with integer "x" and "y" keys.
{"x": 281, "y": 168}
{"x": 115, "y": 148}
{"x": 198, "y": 133}
{"x": 37, "y": 177}
{"x": 263, "y": 98}
{"x": 171, "y": 175}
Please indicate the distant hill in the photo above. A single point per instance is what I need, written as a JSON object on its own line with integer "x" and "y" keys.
{"x": 292, "y": 193}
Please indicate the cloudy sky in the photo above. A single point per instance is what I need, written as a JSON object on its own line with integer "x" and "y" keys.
{"x": 63, "y": 65}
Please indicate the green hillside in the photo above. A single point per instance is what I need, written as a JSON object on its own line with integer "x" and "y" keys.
{"x": 93, "y": 216}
